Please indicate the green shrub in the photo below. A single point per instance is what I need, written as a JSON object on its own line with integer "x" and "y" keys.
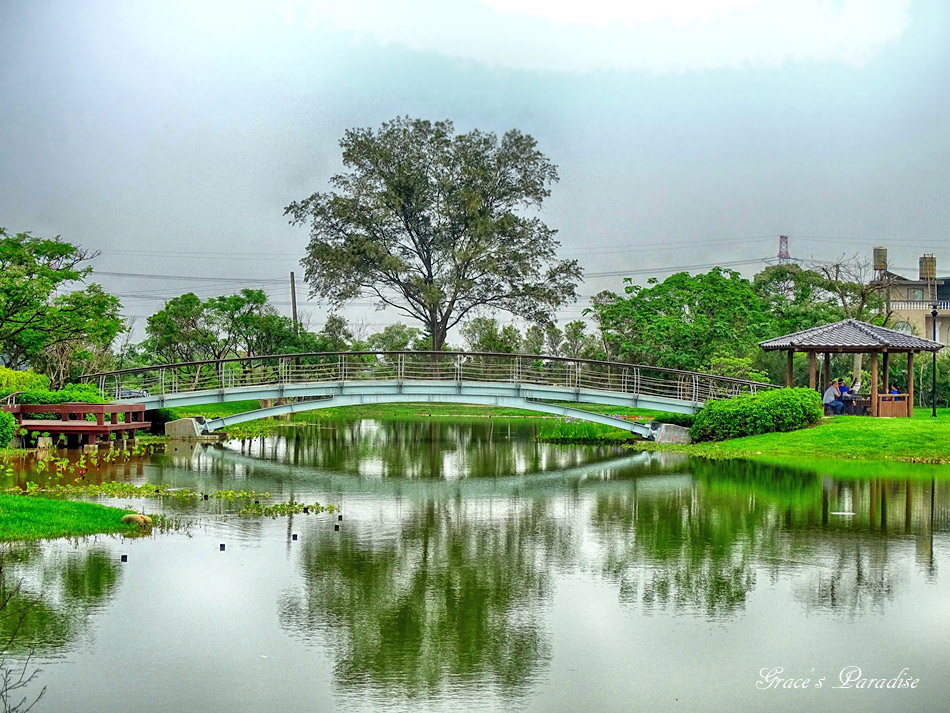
{"x": 12, "y": 380}
{"x": 159, "y": 417}
{"x": 677, "y": 419}
{"x": 84, "y": 393}
{"x": 766, "y": 412}
{"x": 7, "y": 428}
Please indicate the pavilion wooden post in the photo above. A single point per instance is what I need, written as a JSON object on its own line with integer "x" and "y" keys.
{"x": 789, "y": 371}
{"x": 910, "y": 384}
{"x": 875, "y": 406}
{"x": 811, "y": 370}
{"x": 827, "y": 371}
{"x": 887, "y": 372}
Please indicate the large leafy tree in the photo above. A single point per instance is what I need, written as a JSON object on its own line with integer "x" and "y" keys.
{"x": 577, "y": 343}
{"x": 246, "y": 324}
{"x": 686, "y": 321}
{"x": 484, "y": 334}
{"x": 437, "y": 225}
{"x": 43, "y": 322}
{"x": 851, "y": 281}
{"x": 394, "y": 338}
{"x": 859, "y": 295}
{"x": 533, "y": 340}
{"x": 797, "y": 298}
{"x": 183, "y": 331}
{"x": 335, "y": 336}
{"x": 801, "y": 298}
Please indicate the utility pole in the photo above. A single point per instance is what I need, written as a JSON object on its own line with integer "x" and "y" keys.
{"x": 293, "y": 302}
{"x": 933, "y": 383}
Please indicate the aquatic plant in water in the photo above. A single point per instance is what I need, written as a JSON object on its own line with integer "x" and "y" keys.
{"x": 573, "y": 429}
{"x": 123, "y": 490}
{"x": 289, "y": 508}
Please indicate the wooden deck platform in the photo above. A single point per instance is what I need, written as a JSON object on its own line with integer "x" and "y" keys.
{"x": 72, "y": 420}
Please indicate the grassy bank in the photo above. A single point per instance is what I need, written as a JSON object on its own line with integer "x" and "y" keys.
{"x": 922, "y": 439}
{"x": 32, "y": 518}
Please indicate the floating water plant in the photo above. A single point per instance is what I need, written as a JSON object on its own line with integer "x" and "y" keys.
{"x": 289, "y": 508}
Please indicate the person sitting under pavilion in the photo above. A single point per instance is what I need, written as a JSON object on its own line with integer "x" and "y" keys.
{"x": 832, "y": 398}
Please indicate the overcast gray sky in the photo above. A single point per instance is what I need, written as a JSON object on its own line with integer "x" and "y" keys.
{"x": 170, "y": 135}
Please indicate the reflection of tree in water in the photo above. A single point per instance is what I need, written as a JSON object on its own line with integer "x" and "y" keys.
{"x": 849, "y": 576}
{"x": 862, "y": 561}
{"x": 672, "y": 550}
{"x": 423, "y": 449}
{"x": 57, "y": 592}
{"x": 699, "y": 547}
{"x": 451, "y": 596}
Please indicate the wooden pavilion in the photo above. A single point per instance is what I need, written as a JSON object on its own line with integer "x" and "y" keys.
{"x": 853, "y": 336}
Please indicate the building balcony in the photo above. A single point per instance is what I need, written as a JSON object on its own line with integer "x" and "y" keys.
{"x": 918, "y": 305}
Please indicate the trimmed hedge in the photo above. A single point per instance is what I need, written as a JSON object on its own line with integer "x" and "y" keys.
{"x": 766, "y": 412}
{"x": 7, "y": 429}
{"x": 13, "y": 380}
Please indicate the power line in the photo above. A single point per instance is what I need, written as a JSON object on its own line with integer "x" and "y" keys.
{"x": 872, "y": 242}
{"x": 150, "y": 276}
{"x": 203, "y": 254}
{"x": 673, "y": 268}
{"x": 601, "y": 248}
{"x": 282, "y": 281}
{"x": 231, "y": 254}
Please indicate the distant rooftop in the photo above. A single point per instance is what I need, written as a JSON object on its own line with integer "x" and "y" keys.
{"x": 900, "y": 279}
{"x": 851, "y": 335}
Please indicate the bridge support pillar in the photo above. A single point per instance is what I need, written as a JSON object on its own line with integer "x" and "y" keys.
{"x": 183, "y": 428}
{"x": 669, "y": 433}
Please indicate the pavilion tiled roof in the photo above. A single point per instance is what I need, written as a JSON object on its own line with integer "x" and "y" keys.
{"x": 851, "y": 335}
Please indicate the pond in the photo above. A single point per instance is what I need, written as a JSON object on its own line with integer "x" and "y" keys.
{"x": 477, "y": 569}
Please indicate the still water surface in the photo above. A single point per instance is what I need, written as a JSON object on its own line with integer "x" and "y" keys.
{"x": 477, "y": 569}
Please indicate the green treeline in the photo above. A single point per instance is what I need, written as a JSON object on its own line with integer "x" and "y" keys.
{"x": 432, "y": 225}
{"x": 708, "y": 322}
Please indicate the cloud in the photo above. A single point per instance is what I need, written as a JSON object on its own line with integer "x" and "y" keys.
{"x": 671, "y": 36}
{"x": 606, "y": 12}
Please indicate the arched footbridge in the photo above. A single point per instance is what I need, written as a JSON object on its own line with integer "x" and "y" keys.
{"x": 293, "y": 383}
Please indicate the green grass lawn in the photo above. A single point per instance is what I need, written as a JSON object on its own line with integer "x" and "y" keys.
{"x": 33, "y": 518}
{"x": 920, "y": 439}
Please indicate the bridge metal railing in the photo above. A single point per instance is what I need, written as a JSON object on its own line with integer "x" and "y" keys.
{"x": 633, "y": 379}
